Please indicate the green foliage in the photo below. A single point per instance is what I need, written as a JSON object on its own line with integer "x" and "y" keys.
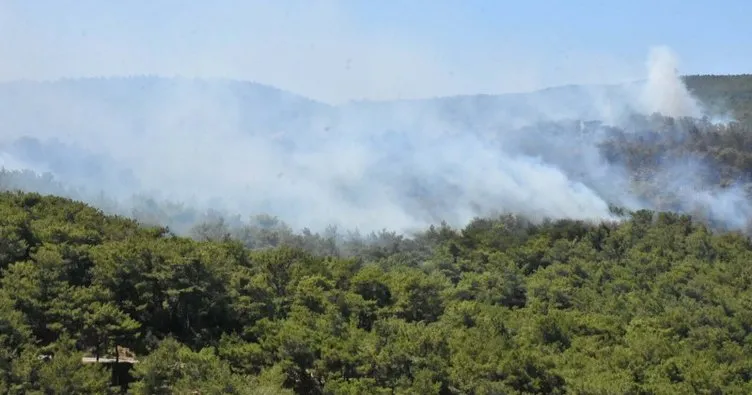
{"x": 658, "y": 303}
{"x": 732, "y": 93}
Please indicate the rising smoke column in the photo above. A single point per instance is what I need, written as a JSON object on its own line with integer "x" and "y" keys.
{"x": 665, "y": 92}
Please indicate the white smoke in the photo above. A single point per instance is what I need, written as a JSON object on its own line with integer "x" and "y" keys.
{"x": 249, "y": 149}
{"x": 665, "y": 92}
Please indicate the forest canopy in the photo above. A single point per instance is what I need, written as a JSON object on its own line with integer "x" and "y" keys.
{"x": 655, "y": 304}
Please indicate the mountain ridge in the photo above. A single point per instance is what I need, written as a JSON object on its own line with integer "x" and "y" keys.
{"x": 693, "y": 81}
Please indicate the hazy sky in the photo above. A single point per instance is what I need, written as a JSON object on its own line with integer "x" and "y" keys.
{"x": 352, "y": 49}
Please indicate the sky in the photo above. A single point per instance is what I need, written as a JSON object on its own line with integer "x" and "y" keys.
{"x": 341, "y": 50}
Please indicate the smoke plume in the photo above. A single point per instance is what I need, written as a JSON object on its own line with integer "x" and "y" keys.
{"x": 664, "y": 92}
{"x": 244, "y": 148}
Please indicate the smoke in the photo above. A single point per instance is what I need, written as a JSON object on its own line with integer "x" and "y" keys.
{"x": 664, "y": 92}
{"x": 245, "y": 148}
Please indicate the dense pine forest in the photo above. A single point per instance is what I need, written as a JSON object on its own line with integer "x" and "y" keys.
{"x": 650, "y": 302}
{"x": 732, "y": 94}
{"x": 655, "y": 304}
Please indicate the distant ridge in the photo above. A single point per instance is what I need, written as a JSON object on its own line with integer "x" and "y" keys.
{"x": 36, "y": 104}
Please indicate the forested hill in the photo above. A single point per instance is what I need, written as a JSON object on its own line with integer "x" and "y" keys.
{"x": 732, "y": 93}
{"x": 654, "y": 303}
{"x": 657, "y": 304}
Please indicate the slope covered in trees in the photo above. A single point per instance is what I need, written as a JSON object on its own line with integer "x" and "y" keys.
{"x": 724, "y": 93}
{"x": 684, "y": 165}
{"x": 654, "y": 304}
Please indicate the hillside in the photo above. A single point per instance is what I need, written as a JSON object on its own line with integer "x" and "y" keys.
{"x": 527, "y": 297}
{"x": 723, "y": 95}
{"x": 656, "y": 304}
{"x": 731, "y": 93}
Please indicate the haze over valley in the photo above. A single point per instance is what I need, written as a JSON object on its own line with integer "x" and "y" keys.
{"x": 243, "y": 148}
